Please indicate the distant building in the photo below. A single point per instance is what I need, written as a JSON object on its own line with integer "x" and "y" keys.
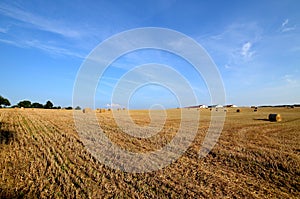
{"x": 231, "y": 106}
{"x": 197, "y": 106}
{"x": 215, "y": 106}
{"x": 203, "y": 106}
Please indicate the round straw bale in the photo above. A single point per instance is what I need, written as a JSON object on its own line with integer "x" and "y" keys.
{"x": 87, "y": 110}
{"x": 274, "y": 117}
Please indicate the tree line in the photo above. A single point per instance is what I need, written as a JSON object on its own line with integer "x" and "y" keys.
{"x": 4, "y": 102}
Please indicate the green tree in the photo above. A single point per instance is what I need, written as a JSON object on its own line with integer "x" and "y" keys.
{"x": 24, "y": 103}
{"x": 37, "y": 105}
{"x": 4, "y": 101}
{"x": 78, "y": 108}
{"x": 48, "y": 105}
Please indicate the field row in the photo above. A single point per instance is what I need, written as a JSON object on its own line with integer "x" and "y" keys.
{"x": 43, "y": 156}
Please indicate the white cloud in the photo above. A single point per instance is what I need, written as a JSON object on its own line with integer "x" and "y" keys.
{"x": 234, "y": 45}
{"x": 11, "y": 43}
{"x": 3, "y": 30}
{"x": 288, "y": 29}
{"x": 227, "y": 66}
{"x": 59, "y": 27}
{"x": 285, "y": 27}
{"x": 289, "y": 79}
{"x": 113, "y": 105}
{"x": 38, "y": 21}
{"x": 285, "y": 23}
{"x": 52, "y": 49}
{"x": 246, "y": 50}
{"x": 43, "y": 46}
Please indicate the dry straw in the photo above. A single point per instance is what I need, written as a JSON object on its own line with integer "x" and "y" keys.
{"x": 99, "y": 110}
{"x": 87, "y": 110}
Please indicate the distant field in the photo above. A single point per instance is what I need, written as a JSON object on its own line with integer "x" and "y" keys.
{"x": 41, "y": 155}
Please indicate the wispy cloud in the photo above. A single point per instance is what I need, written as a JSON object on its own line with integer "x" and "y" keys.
{"x": 33, "y": 21}
{"x": 13, "y": 43}
{"x": 44, "y": 47}
{"x": 234, "y": 45}
{"x": 3, "y": 30}
{"x": 285, "y": 23}
{"x": 285, "y": 27}
{"x": 227, "y": 66}
{"x": 38, "y": 22}
{"x": 289, "y": 29}
{"x": 246, "y": 50}
{"x": 289, "y": 79}
{"x": 52, "y": 49}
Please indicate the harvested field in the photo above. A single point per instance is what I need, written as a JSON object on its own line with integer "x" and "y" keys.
{"x": 42, "y": 156}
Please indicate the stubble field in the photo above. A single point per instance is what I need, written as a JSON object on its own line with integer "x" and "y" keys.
{"x": 42, "y": 156}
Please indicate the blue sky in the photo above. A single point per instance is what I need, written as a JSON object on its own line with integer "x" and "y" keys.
{"x": 255, "y": 45}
